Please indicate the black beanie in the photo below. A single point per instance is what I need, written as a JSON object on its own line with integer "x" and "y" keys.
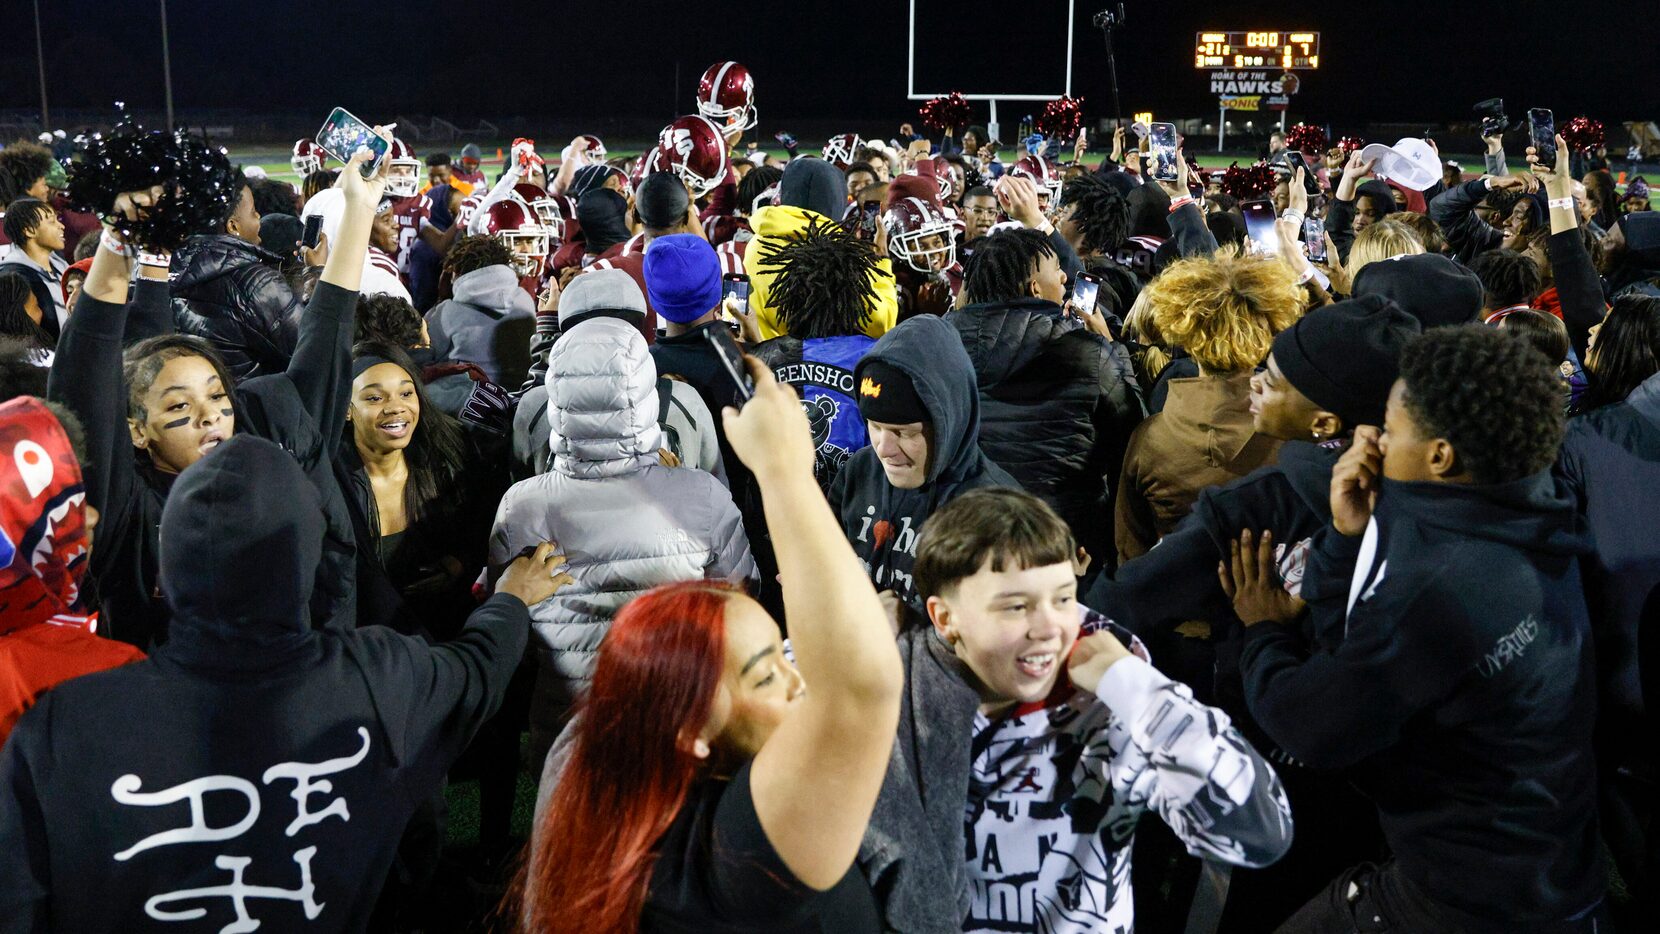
{"x": 1344, "y": 357}
{"x": 602, "y": 213}
{"x": 661, "y": 200}
{"x": 887, "y": 395}
{"x": 1427, "y": 286}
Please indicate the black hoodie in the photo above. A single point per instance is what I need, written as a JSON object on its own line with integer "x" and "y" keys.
{"x": 881, "y": 521}
{"x": 302, "y": 409}
{"x": 1460, "y": 694}
{"x": 250, "y": 748}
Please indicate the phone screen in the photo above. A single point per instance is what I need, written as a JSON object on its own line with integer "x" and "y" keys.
{"x": 1084, "y": 290}
{"x": 1259, "y": 226}
{"x": 343, "y": 134}
{"x": 313, "y": 231}
{"x": 1162, "y": 137}
{"x": 732, "y": 359}
{"x": 1311, "y": 185}
{"x": 1314, "y": 239}
{"x": 735, "y": 285}
{"x": 1542, "y": 126}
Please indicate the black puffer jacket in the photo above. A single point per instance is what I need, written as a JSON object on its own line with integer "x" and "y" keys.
{"x": 229, "y": 292}
{"x": 1057, "y": 405}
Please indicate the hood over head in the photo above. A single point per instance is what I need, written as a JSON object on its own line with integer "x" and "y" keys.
{"x": 815, "y": 185}
{"x": 241, "y": 537}
{"x": 604, "y": 217}
{"x": 1149, "y": 212}
{"x": 1535, "y": 513}
{"x": 602, "y": 400}
{"x": 928, "y": 350}
{"x": 43, "y": 533}
{"x": 494, "y": 290}
{"x": 1383, "y": 197}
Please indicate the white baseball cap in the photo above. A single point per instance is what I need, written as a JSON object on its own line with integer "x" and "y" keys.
{"x": 1410, "y": 162}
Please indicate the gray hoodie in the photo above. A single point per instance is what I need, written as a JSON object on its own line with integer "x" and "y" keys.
{"x": 489, "y": 322}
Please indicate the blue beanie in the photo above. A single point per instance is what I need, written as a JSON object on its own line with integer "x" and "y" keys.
{"x": 682, "y": 277}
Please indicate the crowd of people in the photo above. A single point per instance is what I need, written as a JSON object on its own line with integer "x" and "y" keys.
{"x": 910, "y": 535}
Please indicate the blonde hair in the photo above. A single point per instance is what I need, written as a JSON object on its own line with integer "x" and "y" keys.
{"x": 1379, "y": 241}
{"x": 1224, "y": 310}
{"x": 1154, "y": 355}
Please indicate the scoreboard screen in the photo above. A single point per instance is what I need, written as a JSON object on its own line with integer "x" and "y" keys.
{"x": 1246, "y": 49}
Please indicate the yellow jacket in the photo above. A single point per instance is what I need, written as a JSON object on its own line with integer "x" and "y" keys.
{"x": 775, "y": 223}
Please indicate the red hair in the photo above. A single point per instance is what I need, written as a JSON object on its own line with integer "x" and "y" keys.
{"x": 631, "y": 763}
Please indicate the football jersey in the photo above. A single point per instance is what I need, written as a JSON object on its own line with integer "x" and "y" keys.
{"x": 412, "y": 214}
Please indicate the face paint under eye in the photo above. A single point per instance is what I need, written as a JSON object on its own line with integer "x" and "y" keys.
{"x": 226, "y": 412}
{"x": 176, "y": 423}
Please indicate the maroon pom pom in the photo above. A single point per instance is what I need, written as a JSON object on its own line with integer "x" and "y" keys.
{"x": 1582, "y": 134}
{"x": 1061, "y": 118}
{"x": 1351, "y": 144}
{"x": 1306, "y": 138}
{"x": 950, "y": 112}
{"x": 1249, "y": 183}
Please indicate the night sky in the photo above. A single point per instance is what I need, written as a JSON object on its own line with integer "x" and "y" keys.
{"x": 812, "y": 58}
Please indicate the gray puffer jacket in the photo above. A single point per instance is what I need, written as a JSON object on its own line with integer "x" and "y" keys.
{"x": 625, "y": 523}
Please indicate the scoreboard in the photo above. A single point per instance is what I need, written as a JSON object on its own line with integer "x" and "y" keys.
{"x": 1246, "y": 49}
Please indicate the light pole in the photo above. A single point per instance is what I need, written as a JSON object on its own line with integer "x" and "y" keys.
{"x": 40, "y": 60}
{"x": 166, "y": 64}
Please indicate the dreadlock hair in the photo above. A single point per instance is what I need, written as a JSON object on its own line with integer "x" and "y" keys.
{"x": 1099, "y": 210}
{"x": 1626, "y": 352}
{"x": 1494, "y": 398}
{"x": 1002, "y": 266}
{"x": 320, "y": 180}
{"x": 1507, "y": 277}
{"x": 824, "y": 284}
{"x": 758, "y": 180}
{"x": 24, "y": 215}
{"x": 476, "y": 252}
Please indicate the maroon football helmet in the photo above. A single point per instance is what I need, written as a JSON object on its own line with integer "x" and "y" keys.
{"x": 556, "y": 213}
{"x": 843, "y": 150}
{"x": 516, "y": 225}
{"x": 403, "y": 174}
{"x": 1047, "y": 180}
{"x": 726, "y": 95}
{"x": 596, "y": 148}
{"x": 910, "y": 222}
{"x": 693, "y": 148}
{"x": 307, "y": 157}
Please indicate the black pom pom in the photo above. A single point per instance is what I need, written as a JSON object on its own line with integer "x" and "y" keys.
{"x": 197, "y": 179}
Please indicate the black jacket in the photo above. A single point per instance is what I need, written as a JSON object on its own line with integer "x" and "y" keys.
{"x": 231, "y": 293}
{"x": 1611, "y": 461}
{"x": 882, "y": 522}
{"x": 302, "y": 409}
{"x": 1455, "y": 210}
{"x": 1057, "y": 405}
{"x": 1460, "y": 688}
{"x": 251, "y": 747}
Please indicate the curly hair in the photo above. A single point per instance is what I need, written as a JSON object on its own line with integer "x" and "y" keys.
{"x": 758, "y": 180}
{"x": 1493, "y": 397}
{"x": 824, "y": 285}
{"x": 1099, "y": 211}
{"x": 1002, "y": 267}
{"x": 1626, "y": 351}
{"x": 387, "y": 319}
{"x": 474, "y": 253}
{"x": 1379, "y": 241}
{"x": 1507, "y": 277}
{"x": 21, "y": 165}
{"x": 1224, "y": 310}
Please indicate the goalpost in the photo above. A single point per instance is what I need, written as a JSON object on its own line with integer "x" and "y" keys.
{"x": 990, "y": 94}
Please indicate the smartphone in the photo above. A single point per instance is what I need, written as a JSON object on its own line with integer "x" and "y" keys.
{"x": 1259, "y": 226}
{"x": 1541, "y": 128}
{"x": 732, "y": 359}
{"x": 343, "y": 134}
{"x": 1314, "y": 239}
{"x": 870, "y": 213}
{"x": 313, "y": 231}
{"x": 1084, "y": 290}
{"x": 1162, "y": 146}
{"x": 735, "y": 285}
{"x": 1311, "y": 184}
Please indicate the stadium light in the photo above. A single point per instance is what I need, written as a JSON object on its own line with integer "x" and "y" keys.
{"x": 40, "y": 62}
{"x": 166, "y": 65}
